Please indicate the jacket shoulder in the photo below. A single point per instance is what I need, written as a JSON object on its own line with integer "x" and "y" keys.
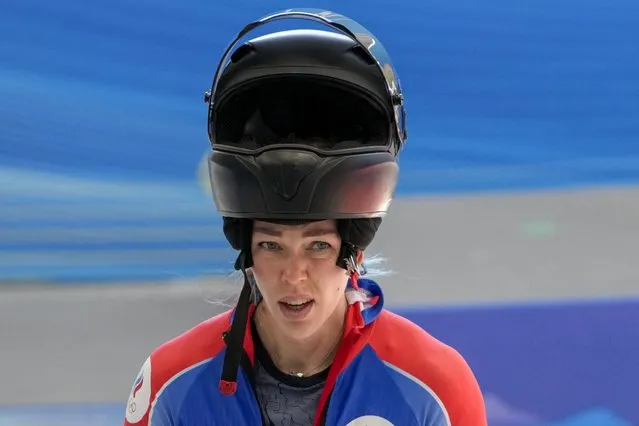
{"x": 436, "y": 367}
{"x": 202, "y": 342}
{"x": 170, "y": 360}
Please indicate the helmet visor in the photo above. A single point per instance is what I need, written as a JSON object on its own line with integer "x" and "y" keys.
{"x": 317, "y": 113}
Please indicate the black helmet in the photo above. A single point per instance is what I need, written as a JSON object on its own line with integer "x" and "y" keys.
{"x": 304, "y": 125}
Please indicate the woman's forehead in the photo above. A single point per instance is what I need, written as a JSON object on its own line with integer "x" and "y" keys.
{"x": 311, "y": 227}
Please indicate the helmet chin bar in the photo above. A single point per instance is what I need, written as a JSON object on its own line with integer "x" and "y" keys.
{"x": 344, "y": 25}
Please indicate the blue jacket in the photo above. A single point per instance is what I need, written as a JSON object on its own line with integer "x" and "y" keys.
{"x": 388, "y": 371}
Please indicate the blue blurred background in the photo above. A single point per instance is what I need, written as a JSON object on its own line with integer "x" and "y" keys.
{"x": 103, "y": 128}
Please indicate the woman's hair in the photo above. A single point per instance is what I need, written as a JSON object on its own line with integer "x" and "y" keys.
{"x": 374, "y": 266}
{"x": 224, "y": 292}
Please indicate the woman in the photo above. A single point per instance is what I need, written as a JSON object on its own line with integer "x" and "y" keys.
{"x": 306, "y": 127}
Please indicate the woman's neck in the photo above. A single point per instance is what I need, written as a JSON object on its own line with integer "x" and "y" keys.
{"x": 307, "y": 356}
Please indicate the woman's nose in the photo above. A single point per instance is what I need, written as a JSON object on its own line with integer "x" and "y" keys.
{"x": 295, "y": 269}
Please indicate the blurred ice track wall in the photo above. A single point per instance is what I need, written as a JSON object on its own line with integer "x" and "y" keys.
{"x": 103, "y": 124}
{"x": 103, "y": 128}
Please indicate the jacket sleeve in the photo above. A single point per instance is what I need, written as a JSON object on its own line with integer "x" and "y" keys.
{"x": 461, "y": 396}
{"x": 143, "y": 407}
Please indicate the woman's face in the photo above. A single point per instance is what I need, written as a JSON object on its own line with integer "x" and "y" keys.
{"x": 296, "y": 272}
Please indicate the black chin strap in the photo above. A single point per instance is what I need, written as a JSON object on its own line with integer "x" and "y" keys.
{"x": 234, "y": 338}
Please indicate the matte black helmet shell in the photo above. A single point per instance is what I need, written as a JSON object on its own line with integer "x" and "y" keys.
{"x": 305, "y": 124}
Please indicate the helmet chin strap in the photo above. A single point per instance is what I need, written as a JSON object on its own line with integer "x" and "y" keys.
{"x": 234, "y": 338}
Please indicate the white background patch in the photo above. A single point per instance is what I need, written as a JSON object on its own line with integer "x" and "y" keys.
{"x": 370, "y": 421}
{"x": 140, "y": 396}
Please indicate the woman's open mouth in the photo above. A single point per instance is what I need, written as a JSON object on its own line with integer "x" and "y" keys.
{"x": 296, "y": 309}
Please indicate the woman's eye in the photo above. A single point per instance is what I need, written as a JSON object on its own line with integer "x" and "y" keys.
{"x": 269, "y": 245}
{"x": 320, "y": 245}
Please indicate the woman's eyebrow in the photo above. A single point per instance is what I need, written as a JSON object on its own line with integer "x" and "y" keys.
{"x": 318, "y": 232}
{"x": 263, "y": 229}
